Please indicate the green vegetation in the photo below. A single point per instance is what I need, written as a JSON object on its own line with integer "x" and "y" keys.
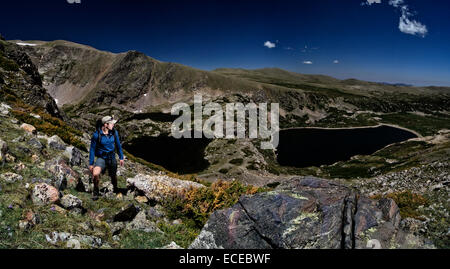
{"x": 425, "y": 125}
{"x": 45, "y": 123}
{"x": 15, "y": 203}
{"x": 438, "y": 229}
{"x": 408, "y": 203}
{"x": 7, "y": 64}
{"x": 181, "y": 234}
{"x": 51, "y": 126}
{"x": 195, "y": 206}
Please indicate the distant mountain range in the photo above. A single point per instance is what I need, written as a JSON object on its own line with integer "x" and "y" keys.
{"x": 397, "y": 84}
{"x": 86, "y": 82}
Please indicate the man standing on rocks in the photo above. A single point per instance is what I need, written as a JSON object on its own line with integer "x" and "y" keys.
{"x": 104, "y": 142}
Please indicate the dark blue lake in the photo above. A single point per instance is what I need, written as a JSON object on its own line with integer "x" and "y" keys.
{"x": 304, "y": 147}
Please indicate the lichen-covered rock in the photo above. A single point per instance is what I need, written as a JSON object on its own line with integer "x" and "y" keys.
{"x": 155, "y": 212}
{"x": 159, "y": 187}
{"x": 73, "y": 155}
{"x": 412, "y": 225}
{"x": 73, "y": 240}
{"x": 44, "y": 194}
{"x": 84, "y": 182}
{"x": 64, "y": 175}
{"x": 306, "y": 213}
{"x": 70, "y": 201}
{"x": 29, "y": 221}
{"x": 76, "y": 158}
{"x": 141, "y": 223}
{"x": 56, "y": 143}
{"x": 10, "y": 177}
{"x": 35, "y": 143}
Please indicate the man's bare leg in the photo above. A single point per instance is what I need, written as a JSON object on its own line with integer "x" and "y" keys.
{"x": 96, "y": 174}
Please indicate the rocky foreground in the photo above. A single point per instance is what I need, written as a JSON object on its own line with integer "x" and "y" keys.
{"x": 395, "y": 198}
{"x": 308, "y": 212}
{"x": 45, "y": 189}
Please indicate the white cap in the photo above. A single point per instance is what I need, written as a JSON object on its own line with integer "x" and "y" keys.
{"x": 108, "y": 119}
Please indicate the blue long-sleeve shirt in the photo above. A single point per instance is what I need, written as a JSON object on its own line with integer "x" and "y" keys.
{"x": 106, "y": 145}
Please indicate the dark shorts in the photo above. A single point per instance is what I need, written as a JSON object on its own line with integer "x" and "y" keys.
{"x": 107, "y": 164}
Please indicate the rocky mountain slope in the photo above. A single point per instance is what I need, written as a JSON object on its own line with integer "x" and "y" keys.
{"x": 89, "y": 83}
{"x": 44, "y": 181}
{"x": 90, "y": 80}
{"x": 132, "y": 81}
{"x": 18, "y": 75}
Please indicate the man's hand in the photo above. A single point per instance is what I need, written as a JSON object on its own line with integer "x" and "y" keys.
{"x": 91, "y": 168}
{"x": 121, "y": 162}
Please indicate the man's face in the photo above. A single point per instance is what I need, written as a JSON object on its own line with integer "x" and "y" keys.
{"x": 109, "y": 125}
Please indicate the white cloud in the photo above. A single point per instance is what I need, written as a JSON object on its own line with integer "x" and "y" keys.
{"x": 269, "y": 44}
{"x": 406, "y": 24}
{"x": 396, "y": 3}
{"x": 370, "y": 2}
{"x": 335, "y": 61}
{"x": 412, "y": 27}
{"x": 307, "y": 62}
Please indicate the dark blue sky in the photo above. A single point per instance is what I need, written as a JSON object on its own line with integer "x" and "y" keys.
{"x": 365, "y": 40}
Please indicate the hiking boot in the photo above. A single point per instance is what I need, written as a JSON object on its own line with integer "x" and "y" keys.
{"x": 95, "y": 195}
{"x": 116, "y": 190}
{"x": 114, "y": 183}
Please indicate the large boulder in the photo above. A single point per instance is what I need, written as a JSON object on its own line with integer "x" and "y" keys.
{"x": 56, "y": 142}
{"x": 64, "y": 175}
{"x": 307, "y": 213}
{"x": 74, "y": 156}
{"x": 159, "y": 187}
{"x": 35, "y": 143}
{"x": 44, "y": 194}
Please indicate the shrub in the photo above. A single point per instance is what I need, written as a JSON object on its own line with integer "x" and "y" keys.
{"x": 408, "y": 203}
{"x": 46, "y": 123}
{"x": 195, "y": 205}
{"x": 51, "y": 126}
{"x": 7, "y": 64}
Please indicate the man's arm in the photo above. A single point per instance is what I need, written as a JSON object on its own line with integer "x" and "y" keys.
{"x": 92, "y": 149}
{"x": 119, "y": 146}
